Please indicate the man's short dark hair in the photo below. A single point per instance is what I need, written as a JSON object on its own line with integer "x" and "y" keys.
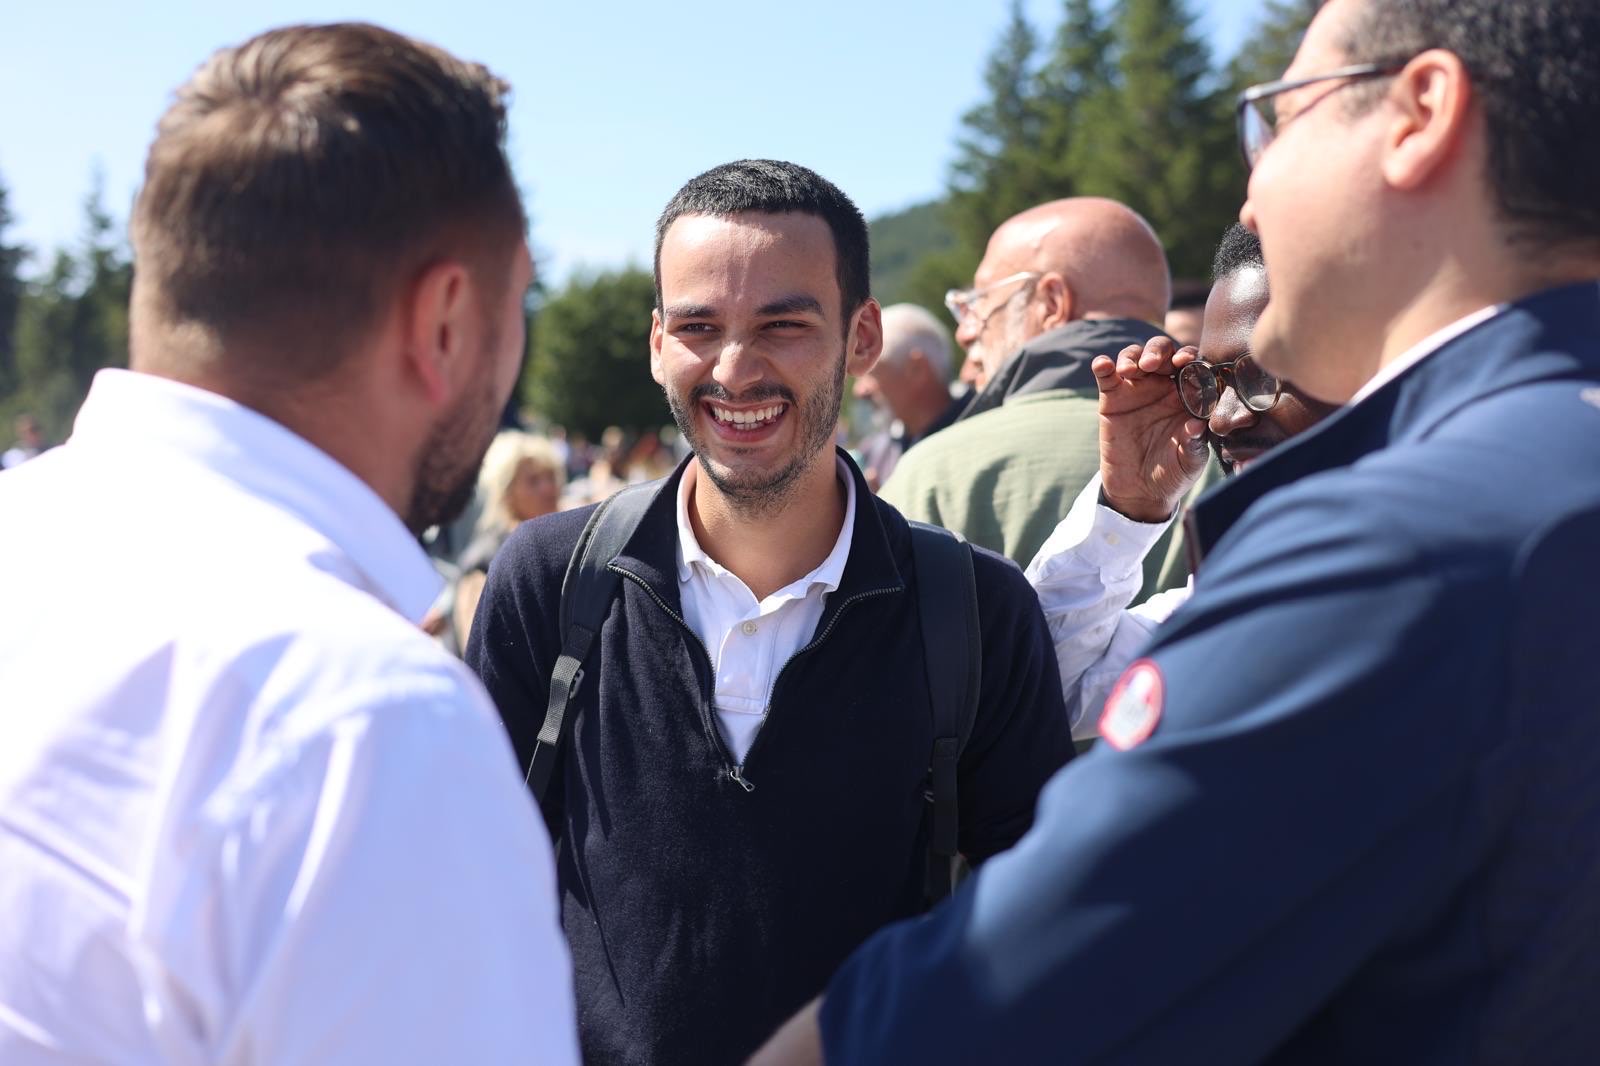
{"x": 774, "y": 187}
{"x": 1240, "y": 250}
{"x": 1535, "y": 66}
{"x": 298, "y": 177}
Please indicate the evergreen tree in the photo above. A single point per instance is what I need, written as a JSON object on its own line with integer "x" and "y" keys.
{"x": 1272, "y": 46}
{"x": 997, "y": 171}
{"x": 1157, "y": 138}
{"x": 74, "y": 321}
{"x": 1079, "y": 66}
{"x": 590, "y": 365}
{"x": 11, "y": 292}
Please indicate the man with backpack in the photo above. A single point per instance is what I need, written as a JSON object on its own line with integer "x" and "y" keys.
{"x": 761, "y": 710}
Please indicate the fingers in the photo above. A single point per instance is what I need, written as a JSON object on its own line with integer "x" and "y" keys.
{"x": 1105, "y": 370}
{"x": 1196, "y": 451}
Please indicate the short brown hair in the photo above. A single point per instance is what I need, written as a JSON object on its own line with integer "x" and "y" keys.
{"x": 299, "y": 177}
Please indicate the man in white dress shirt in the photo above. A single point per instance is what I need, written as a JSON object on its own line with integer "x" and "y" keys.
{"x": 251, "y": 814}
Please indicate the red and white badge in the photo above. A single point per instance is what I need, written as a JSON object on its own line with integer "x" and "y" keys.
{"x": 1134, "y": 707}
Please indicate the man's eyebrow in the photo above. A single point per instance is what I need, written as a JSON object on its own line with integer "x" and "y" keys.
{"x": 791, "y": 305}
{"x": 689, "y": 311}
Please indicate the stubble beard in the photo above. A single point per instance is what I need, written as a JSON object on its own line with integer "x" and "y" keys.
{"x": 759, "y": 494}
{"x": 447, "y": 468}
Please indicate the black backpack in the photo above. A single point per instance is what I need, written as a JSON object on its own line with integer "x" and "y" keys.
{"x": 947, "y": 602}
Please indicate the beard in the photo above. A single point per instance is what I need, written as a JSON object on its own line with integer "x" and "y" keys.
{"x": 759, "y": 493}
{"x": 447, "y": 470}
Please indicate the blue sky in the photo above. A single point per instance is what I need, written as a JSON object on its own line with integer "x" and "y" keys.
{"x": 617, "y": 102}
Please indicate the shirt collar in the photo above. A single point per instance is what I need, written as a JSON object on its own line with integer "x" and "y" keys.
{"x": 266, "y": 460}
{"x": 690, "y": 554}
{"x": 1426, "y": 347}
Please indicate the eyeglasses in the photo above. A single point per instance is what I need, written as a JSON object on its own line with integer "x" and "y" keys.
{"x": 960, "y": 301}
{"x": 1200, "y": 385}
{"x": 1257, "y": 114}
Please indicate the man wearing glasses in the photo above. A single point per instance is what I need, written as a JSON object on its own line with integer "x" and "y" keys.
{"x": 1089, "y": 571}
{"x": 1058, "y": 285}
{"x": 1349, "y": 810}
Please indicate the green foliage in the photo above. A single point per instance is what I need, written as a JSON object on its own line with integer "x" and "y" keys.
{"x": 997, "y": 169}
{"x": 900, "y": 242}
{"x": 1270, "y": 51}
{"x": 1157, "y": 136}
{"x": 1124, "y": 102}
{"x": 11, "y": 293}
{"x": 71, "y": 323}
{"x": 590, "y": 361}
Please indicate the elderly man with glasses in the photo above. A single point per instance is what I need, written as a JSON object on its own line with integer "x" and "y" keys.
{"x": 1058, "y": 285}
{"x": 1349, "y": 805}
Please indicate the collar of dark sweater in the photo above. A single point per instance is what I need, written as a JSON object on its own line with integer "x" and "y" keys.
{"x": 1059, "y": 359}
{"x": 879, "y": 539}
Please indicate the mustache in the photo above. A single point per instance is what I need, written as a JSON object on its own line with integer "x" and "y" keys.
{"x": 754, "y": 394}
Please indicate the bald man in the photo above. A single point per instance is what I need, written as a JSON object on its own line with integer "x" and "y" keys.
{"x": 910, "y": 383}
{"x": 1058, "y": 285}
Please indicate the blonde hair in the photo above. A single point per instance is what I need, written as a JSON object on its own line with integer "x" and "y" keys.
{"x": 509, "y": 451}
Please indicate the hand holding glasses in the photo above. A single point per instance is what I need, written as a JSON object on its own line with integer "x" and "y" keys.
{"x": 1200, "y": 385}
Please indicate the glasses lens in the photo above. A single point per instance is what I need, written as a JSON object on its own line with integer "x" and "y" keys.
{"x": 1197, "y": 388}
{"x": 1255, "y": 128}
{"x": 1257, "y": 388}
{"x": 956, "y": 301}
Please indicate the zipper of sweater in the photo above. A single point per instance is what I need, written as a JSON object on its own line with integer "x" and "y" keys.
{"x": 735, "y": 772}
{"x": 832, "y": 622}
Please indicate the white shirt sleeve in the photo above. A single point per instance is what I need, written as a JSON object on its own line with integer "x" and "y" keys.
{"x": 385, "y": 893}
{"x": 1086, "y": 574}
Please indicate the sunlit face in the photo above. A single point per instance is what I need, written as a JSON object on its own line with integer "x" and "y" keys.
{"x": 1312, "y": 202}
{"x": 1238, "y": 434}
{"x": 447, "y": 469}
{"x": 752, "y": 347}
{"x": 535, "y": 490}
{"x": 998, "y": 324}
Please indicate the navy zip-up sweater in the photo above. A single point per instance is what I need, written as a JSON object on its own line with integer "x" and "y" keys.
{"x": 701, "y": 914}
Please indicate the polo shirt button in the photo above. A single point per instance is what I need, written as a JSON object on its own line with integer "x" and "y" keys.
{"x": 1112, "y": 538}
{"x": 750, "y": 629}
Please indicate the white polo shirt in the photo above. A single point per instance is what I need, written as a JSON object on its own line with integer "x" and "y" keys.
{"x": 249, "y": 813}
{"x": 749, "y": 641}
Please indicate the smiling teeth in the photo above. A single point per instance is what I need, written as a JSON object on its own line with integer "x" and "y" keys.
{"x": 747, "y": 418}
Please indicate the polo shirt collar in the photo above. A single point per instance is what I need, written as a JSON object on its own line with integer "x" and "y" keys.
{"x": 827, "y": 575}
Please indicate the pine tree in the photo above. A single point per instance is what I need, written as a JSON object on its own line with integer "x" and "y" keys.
{"x": 1079, "y": 66}
{"x": 1157, "y": 138}
{"x": 997, "y": 171}
{"x": 1272, "y": 46}
{"x": 12, "y": 257}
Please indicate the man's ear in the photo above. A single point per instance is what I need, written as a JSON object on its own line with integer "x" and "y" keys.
{"x": 1056, "y": 300}
{"x": 1431, "y": 100}
{"x": 442, "y": 324}
{"x": 865, "y": 341}
{"x": 656, "y": 339}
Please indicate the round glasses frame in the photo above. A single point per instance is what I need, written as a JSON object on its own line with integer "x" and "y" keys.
{"x": 1201, "y": 384}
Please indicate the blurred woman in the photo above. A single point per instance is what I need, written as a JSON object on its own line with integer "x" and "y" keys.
{"x": 521, "y": 478}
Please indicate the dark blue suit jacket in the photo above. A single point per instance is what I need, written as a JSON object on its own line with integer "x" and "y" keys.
{"x": 1366, "y": 826}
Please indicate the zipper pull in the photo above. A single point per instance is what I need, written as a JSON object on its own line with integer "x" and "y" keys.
{"x": 737, "y": 773}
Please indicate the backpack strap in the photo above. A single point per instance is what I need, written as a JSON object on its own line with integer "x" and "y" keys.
{"x": 947, "y": 603}
{"x": 586, "y": 594}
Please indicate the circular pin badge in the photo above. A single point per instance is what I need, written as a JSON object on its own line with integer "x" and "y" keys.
{"x": 1133, "y": 709}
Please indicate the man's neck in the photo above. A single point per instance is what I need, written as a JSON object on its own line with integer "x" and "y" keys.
{"x": 768, "y": 550}
{"x": 1457, "y": 291}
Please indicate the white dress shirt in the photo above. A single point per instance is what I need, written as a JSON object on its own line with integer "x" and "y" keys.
{"x": 1091, "y": 567}
{"x": 249, "y": 813}
{"x": 748, "y": 641}
{"x": 1086, "y": 573}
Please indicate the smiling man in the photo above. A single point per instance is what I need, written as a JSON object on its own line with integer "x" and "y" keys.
{"x": 1348, "y": 804}
{"x": 743, "y": 798}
